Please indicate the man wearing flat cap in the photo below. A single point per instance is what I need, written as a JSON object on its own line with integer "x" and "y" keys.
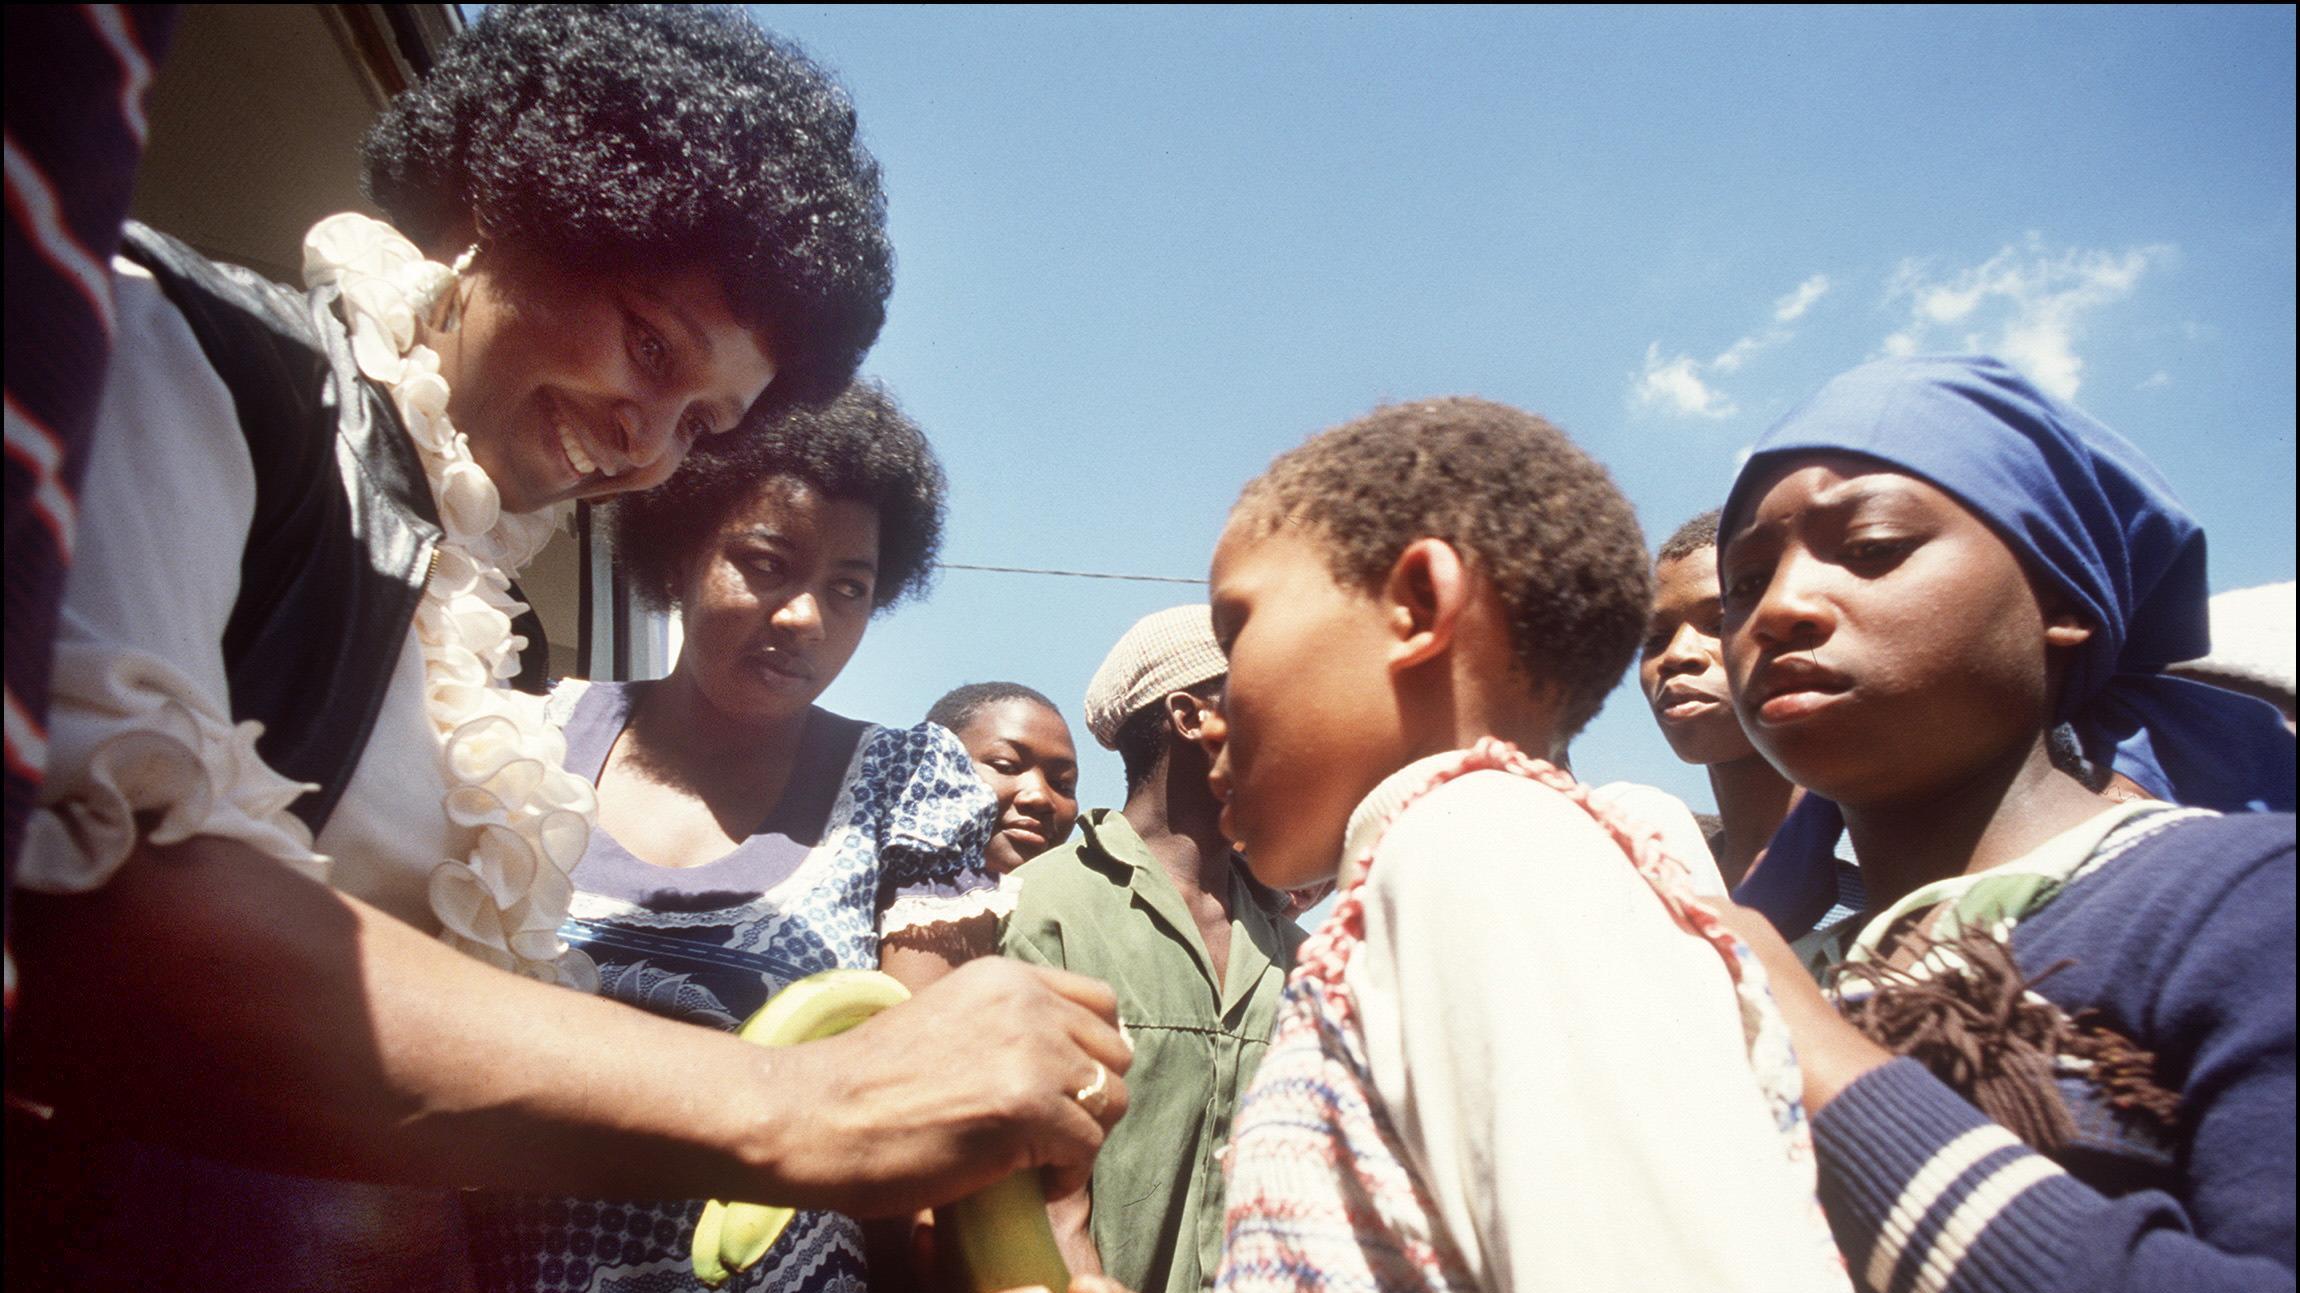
{"x": 1151, "y": 900}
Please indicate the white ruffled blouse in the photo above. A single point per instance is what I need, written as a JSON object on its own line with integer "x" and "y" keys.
{"x": 458, "y": 818}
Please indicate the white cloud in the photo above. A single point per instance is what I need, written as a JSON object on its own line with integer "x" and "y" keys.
{"x": 1675, "y": 384}
{"x": 1792, "y": 307}
{"x": 1683, "y": 385}
{"x": 1732, "y": 357}
{"x": 2155, "y": 381}
{"x": 2027, "y": 305}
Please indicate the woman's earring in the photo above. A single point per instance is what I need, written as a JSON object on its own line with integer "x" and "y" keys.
{"x": 454, "y": 316}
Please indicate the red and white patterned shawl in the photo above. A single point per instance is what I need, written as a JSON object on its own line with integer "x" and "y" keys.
{"x": 1320, "y": 1193}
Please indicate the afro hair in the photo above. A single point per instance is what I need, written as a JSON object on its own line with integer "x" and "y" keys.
{"x": 644, "y": 137}
{"x": 860, "y": 447}
{"x": 1516, "y": 498}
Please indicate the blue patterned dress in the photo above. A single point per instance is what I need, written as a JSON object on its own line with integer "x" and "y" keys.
{"x": 893, "y": 843}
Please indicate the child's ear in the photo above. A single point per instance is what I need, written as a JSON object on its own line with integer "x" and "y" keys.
{"x": 1427, "y": 590}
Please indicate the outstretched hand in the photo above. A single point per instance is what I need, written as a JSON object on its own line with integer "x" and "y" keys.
{"x": 989, "y": 1071}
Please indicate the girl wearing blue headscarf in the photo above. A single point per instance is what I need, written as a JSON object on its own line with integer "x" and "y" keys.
{"x": 2060, "y": 1053}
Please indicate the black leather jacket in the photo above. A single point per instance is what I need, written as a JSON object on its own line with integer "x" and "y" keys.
{"x": 345, "y": 526}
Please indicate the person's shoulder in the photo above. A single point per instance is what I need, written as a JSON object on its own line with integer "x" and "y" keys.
{"x": 918, "y": 784}
{"x": 569, "y": 695}
{"x": 2188, "y": 858}
{"x": 1079, "y": 867}
{"x": 1073, "y": 885}
{"x": 150, "y": 330}
{"x": 1482, "y": 829}
{"x": 2176, "y": 891}
{"x": 923, "y": 755}
{"x": 1683, "y": 836}
{"x": 1489, "y": 803}
{"x": 1060, "y": 866}
{"x": 219, "y": 299}
{"x": 169, "y": 430}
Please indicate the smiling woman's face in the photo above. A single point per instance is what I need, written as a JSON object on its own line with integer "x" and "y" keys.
{"x": 776, "y": 603}
{"x": 580, "y": 385}
{"x": 1882, "y": 641}
{"x": 1023, "y": 752}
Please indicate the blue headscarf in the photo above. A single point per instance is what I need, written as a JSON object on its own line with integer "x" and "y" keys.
{"x": 2082, "y": 508}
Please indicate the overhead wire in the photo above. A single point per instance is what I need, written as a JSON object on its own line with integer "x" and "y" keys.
{"x": 1067, "y": 574}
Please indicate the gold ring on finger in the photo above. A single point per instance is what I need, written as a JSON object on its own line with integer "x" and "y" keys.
{"x": 1094, "y": 1097}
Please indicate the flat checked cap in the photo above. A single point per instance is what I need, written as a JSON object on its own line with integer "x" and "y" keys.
{"x": 1170, "y": 650}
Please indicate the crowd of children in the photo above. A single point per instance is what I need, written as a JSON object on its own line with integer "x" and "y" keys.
{"x": 2010, "y": 1002}
{"x": 2001, "y": 998}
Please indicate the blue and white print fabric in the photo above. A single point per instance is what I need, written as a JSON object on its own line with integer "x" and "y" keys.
{"x": 902, "y": 848}
{"x": 910, "y": 822}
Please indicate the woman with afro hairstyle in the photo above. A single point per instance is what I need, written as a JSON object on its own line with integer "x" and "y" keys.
{"x": 748, "y": 837}
{"x": 294, "y": 822}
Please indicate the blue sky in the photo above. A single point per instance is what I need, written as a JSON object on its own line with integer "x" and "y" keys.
{"x": 1143, "y": 251}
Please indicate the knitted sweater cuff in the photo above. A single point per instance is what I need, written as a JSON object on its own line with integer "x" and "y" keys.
{"x": 1924, "y": 1191}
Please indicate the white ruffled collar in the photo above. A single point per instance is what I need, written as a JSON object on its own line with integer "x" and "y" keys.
{"x": 387, "y": 287}
{"x": 531, "y": 819}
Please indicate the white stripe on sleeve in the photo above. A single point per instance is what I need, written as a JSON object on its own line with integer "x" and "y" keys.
{"x": 1964, "y": 1227}
{"x": 1925, "y": 1189}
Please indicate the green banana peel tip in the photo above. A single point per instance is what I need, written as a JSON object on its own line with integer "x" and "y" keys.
{"x": 705, "y": 1256}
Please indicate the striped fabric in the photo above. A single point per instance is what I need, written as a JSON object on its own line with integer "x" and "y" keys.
{"x": 77, "y": 76}
{"x": 1942, "y": 1198}
{"x": 1956, "y": 1202}
{"x": 1320, "y": 1192}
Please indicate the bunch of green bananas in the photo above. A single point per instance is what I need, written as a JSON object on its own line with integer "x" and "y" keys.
{"x": 1002, "y": 1233}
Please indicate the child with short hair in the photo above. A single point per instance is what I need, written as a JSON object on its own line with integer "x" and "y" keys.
{"x": 1517, "y": 1055}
